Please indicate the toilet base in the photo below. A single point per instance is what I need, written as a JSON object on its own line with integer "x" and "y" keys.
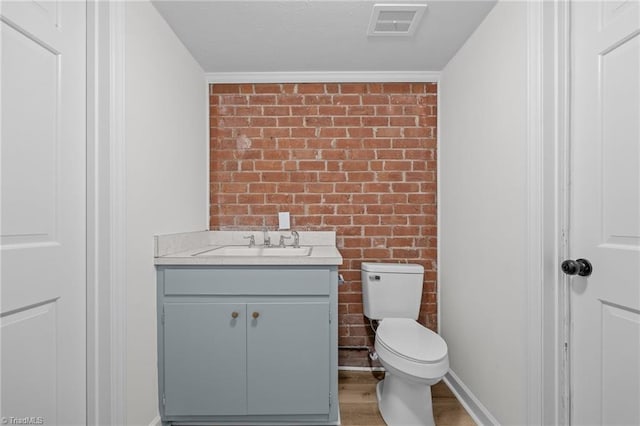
{"x": 404, "y": 403}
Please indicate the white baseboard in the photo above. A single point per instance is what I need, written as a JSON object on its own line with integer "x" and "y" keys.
{"x": 474, "y": 407}
{"x": 156, "y": 422}
{"x": 348, "y": 368}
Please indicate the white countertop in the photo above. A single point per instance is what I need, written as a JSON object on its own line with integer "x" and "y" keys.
{"x": 182, "y": 249}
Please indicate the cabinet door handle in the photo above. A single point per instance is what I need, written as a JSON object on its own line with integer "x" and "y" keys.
{"x": 255, "y": 314}
{"x": 234, "y": 315}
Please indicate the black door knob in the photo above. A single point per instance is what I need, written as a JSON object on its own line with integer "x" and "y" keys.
{"x": 580, "y": 267}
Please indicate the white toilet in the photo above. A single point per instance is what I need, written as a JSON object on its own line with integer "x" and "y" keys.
{"x": 413, "y": 356}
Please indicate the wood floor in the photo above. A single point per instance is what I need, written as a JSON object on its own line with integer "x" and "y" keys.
{"x": 359, "y": 407}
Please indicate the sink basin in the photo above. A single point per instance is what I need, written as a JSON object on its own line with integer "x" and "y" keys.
{"x": 256, "y": 251}
{"x": 286, "y": 251}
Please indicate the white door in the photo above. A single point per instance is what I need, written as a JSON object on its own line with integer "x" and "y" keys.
{"x": 42, "y": 224}
{"x": 605, "y": 212}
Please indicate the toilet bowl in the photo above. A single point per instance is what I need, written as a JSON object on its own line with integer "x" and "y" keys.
{"x": 413, "y": 356}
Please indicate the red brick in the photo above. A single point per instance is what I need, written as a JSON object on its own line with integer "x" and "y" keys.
{"x": 320, "y": 209}
{"x": 404, "y": 121}
{"x": 318, "y": 100}
{"x": 319, "y": 187}
{"x": 246, "y": 177}
{"x": 300, "y": 176}
{"x": 317, "y": 121}
{"x": 377, "y": 187}
{"x": 396, "y": 88}
{"x": 366, "y": 220}
{"x": 321, "y": 160}
{"x": 347, "y": 121}
{"x": 332, "y": 177}
{"x": 360, "y": 132}
{"x": 267, "y": 88}
{"x": 251, "y": 198}
{"x": 378, "y": 209}
{"x": 289, "y": 122}
{"x": 333, "y": 132}
{"x": 330, "y": 110}
{"x": 225, "y": 88}
{"x": 311, "y": 88}
{"x": 375, "y": 121}
{"x": 303, "y": 132}
{"x": 305, "y": 199}
{"x": 357, "y": 88}
{"x": 360, "y": 176}
{"x": 388, "y": 132}
{"x": 290, "y": 100}
{"x": 277, "y": 111}
{"x": 397, "y": 165}
{"x": 276, "y": 132}
{"x": 375, "y": 100}
{"x": 361, "y": 110}
{"x": 350, "y": 188}
{"x": 262, "y": 99}
{"x": 362, "y": 154}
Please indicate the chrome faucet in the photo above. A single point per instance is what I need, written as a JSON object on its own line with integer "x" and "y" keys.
{"x": 266, "y": 237}
{"x": 282, "y": 238}
{"x": 296, "y": 239}
{"x": 252, "y": 240}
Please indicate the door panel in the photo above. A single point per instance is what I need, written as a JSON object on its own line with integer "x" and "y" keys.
{"x": 204, "y": 359}
{"x": 620, "y": 68}
{"x": 43, "y": 210}
{"x": 288, "y": 363}
{"x": 35, "y": 395}
{"x": 605, "y": 212}
{"x": 29, "y": 151}
{"x": 621, "y": 365}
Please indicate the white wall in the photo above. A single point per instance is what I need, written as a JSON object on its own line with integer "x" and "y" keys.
{"x": 483, "y": 187}
{"x": 166, "y": 179}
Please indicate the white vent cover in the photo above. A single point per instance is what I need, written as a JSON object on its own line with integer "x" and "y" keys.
{"x": 395, "y": 19}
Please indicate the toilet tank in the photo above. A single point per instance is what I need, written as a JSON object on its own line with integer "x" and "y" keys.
{"x": 391, "y": 290}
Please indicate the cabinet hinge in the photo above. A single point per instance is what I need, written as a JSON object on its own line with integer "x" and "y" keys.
{"x": 329, "y": 315}
{"x": 164, "y": 400}
{"x": 330, "y": 399}
{"x": 162, "y": 316}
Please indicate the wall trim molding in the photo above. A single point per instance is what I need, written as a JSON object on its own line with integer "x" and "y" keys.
{"x": 548, "y": 66}
{"x": 438, "y": 213}
{"x": 349, "y": 368}
{"x": 474, "y": 407}
{"x": 534, "y": 273}
{"x": 117, "y": 210}
{"x": 324, "y": 77}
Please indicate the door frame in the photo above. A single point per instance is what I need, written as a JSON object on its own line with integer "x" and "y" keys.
{"x": 547, "y": 375}
{"x": 548, "y": 379}
{"x": 106, "y": 214}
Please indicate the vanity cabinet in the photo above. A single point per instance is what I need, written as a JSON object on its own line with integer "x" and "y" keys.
{"x": 249, "y": 345}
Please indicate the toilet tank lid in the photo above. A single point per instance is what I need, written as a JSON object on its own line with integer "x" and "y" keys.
{"x": 397, "y": 268}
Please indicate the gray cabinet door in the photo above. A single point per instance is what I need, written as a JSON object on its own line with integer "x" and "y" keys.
{"x": 288, "y": 357}
{"x": 205, "y": 358}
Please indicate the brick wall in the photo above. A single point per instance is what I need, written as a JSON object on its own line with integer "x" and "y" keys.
{"x": 355, "y": 158}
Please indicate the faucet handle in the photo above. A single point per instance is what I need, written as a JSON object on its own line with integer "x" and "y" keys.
{"x": 282, "y": 238}
{"x": 296, "y": 239}
{"x": 251, "y": 238}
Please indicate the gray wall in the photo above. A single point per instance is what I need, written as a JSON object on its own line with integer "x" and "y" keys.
{"x": 166, "y": 179}
{"x": 483, "y": 187}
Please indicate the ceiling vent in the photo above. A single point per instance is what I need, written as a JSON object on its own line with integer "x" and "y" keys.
{"x": 395, "y": 19}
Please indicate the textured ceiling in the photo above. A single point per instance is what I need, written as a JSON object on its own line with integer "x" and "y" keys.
{"x": 316, "y": 35}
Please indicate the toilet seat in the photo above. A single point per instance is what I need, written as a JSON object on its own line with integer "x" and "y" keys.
{"x": 405, "y": 345}
{"x": 408, "y": 339}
